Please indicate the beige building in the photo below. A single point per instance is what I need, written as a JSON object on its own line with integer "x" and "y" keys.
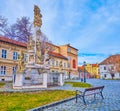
{"x": 10, "y": 49}
{"x": 72, "y": 54}
{"x": 56, "y": 60}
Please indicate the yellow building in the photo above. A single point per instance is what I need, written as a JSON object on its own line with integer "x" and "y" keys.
{"x": 93, "y": 70}
{"x": 10, "y": 49}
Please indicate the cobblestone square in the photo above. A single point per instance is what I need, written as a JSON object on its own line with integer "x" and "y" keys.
{"x": 111, "y": 100}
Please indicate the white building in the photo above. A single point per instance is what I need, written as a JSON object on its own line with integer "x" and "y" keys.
{"x": 110, "y": 67}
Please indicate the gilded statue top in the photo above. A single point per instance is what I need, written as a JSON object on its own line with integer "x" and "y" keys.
{"x": 37, "y": 17}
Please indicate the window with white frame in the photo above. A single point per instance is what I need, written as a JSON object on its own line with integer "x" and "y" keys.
{"x": 15, "y": 55}
{"x": 25, "y": 57}
{"x": 4, "y": 53}
{"x": 3, "y": 70}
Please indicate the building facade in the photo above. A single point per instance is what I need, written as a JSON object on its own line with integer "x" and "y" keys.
{"x": 110, "y": 67}
{"x": 56, "y": 60}
{"x": 10, "y": 49}
{"x": 93, "y": 70}
{"x": 72, "y": 54}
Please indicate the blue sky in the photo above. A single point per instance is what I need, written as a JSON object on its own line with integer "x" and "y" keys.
{"x": 92, "y": 26}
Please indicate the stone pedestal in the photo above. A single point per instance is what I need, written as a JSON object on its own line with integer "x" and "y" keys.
{"x": 18, "y": 81}
{"x": 45, "y": 80}
{"x": 61, "y": 79}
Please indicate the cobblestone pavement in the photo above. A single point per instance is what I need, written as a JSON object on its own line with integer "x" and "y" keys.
{"x": 111, "y": 94}
{"x": 111, "y": 102}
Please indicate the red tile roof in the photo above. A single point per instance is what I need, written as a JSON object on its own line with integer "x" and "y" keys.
{"x": 95, "y": 65}
{"x": 5, "y": 39}
{"x": 57, "y": 55}
{"x": 111, "y": 60}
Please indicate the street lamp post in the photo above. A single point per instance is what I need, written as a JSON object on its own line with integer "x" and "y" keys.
{"x": 69, "y": 73}
{"x": 84, "y": 64}
{"x": 79, "y": 73}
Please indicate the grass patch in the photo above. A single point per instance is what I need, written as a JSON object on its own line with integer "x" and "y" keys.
{"x": 24, "y": 101}
{"x": 2, "y": 84}
{"x": 79, "y": 84}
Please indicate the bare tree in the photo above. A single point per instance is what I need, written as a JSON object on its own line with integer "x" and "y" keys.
{"x": 21, "y": 30}
{"x": 3, "y": 25}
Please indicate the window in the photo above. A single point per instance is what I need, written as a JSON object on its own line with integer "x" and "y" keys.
{"x": 104, "y": 68}
{"x": 53, "y": 71}
{"x": 56, "y": 72}
{"x": 4, "y": 53}
{"x": 15, "y": 55}
{"x": 3, "y": 70}
{"x": 56, "y": 63}
{"x": 52, "y": 62}
{"x": 49, "y": 62}
{"x": 68, "y": 49}
{"x": 74, "y": 63}
{"x": 68, "y": 65}
{"x": 105, "y": 76}
{"x": 14, "y": 69}
{"x": 25, "y": 57}
{"x": 112, "y": 68}
{"x": 68, "y": 57}
{"x": 64, "y": 65}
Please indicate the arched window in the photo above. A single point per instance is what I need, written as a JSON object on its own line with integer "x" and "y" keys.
{"x": 74, "y": 63}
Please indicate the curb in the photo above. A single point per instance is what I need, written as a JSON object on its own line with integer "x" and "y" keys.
{"x": 41, "y": 108}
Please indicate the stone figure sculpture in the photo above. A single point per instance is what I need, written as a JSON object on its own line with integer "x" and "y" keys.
{"x": 30, "y": 44}
{"x": 20, "y": 63}
{"x": 37, "y": 17}
{"x": 46, "y": 58}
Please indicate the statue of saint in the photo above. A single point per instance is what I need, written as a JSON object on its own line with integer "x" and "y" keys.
{"x": 37, "y": 17}
{"x": 30, "y": 44}
{"x": 46, "y": 58}
{"x": 21, "y": 64}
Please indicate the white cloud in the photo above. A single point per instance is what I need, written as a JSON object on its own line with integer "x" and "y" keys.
{"x": 89, "y": 26}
